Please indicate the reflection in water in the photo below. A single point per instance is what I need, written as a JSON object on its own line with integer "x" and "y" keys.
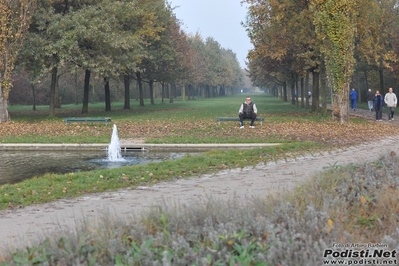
{"x": 16, "y": 166}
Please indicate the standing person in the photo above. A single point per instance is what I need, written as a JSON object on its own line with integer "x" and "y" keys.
{"x": 378, "y": 104}
{"x": 370, "y": 99}
{"x": 391, "y": 101}
{"x": 247, "y": 110}
{"x": 353, "y": 97}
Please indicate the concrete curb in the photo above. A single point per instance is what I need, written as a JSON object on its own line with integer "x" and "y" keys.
{"x": 126, "y": 147}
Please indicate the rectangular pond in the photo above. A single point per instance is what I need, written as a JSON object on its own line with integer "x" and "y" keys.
{"x": 16, "y": 166}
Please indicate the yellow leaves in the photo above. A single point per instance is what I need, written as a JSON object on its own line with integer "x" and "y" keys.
{"x": 13, "y": 26}
{"x": 363, "y": 200}
{"x": 125, "y": 177}
{"x": 329, "y": 226}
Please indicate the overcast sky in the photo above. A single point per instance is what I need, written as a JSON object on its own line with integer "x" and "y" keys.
{"x": 219, "y": 19}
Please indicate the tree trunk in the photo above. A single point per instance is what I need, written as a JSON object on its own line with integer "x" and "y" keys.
{"x": 57, "y": 98}
{"x": 316, "y": 92}
{"x": 126, "y": 80}
{"x": 340, "y": 107}
{"x": 296, "y": 90}
{"x": 307, "y": 89}
{"x": 189, "y": 91}
{"x": 183, "y": 92}
{"x": 303, "y": 94}
{"x": 285, "y": 96}
{"x": 172, "y": 91}
{"x": 167, "y": 90}
{"x": 4, "y": 116}
{"x": 107, "y": 92}
{"x": 76, "y": 86}
{"x": 163, "y": 91}
{"x": 366, "y": 80}
{"x": 86, "y": 90}
{"x": 140, "y": 85}
{"x": 293, "y": 92}
{"x": 323, "y": 89}
{"x": 52, "y": 91}
{"x": 151, "y": 85}
{"x": 32, "y": 85}
{"x": 382, "y": 91}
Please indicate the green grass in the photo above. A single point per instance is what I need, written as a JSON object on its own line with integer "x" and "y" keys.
{"x": 194, "y": 109}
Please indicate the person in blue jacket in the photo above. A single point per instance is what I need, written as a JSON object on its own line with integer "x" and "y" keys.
{"x": 378, "y": 104}
{"x": 353, "y": 97}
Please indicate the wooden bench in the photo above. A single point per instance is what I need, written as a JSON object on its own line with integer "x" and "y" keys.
{"x": 221, "y": 119}
{"x": 106, "y": 120}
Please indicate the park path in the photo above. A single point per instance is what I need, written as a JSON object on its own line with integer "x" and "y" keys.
{"x": 26, "y": 225}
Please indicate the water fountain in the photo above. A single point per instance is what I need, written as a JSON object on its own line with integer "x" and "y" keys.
{"x": 114, "y": 148}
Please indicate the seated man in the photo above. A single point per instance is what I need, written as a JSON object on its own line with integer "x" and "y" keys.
{"x": 247, "y": 110}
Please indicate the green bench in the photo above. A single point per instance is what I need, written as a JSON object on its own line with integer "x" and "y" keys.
{"x": 106, "y": 120}
{"x": 221, "y": 119}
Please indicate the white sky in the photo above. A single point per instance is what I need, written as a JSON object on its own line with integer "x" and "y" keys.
{"x": 219, "y": 19}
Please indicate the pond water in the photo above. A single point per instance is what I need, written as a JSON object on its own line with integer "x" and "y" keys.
{"x": 16, "y": 166}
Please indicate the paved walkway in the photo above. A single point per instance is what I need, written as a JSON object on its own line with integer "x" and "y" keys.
{"x": 23, "y": 226}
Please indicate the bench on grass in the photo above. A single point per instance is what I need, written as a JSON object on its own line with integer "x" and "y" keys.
{"x": 221, "y": 119}
{"x": 87, "y": 120}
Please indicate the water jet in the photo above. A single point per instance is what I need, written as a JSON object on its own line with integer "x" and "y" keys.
{"x": 114, "y": 148}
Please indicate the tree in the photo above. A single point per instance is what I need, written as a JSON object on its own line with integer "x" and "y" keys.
{"x": 15, "y": 17}
{"x": 284, "y": 41}
{"x": 376, "y": 40}
{"x": 335, "y": 22}
{"x": 46, "y": 48}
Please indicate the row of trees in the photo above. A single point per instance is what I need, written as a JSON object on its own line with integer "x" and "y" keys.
{"x": 327, "y": 39}
{"x": 112, "y": 39}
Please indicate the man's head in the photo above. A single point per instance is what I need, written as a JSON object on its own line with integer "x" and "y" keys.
{"x": 390, "y": 90}
{"x": 369, "y": 89}
{"x": 248, "y": 99}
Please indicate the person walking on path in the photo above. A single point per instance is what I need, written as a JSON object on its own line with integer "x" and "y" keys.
{"x": 353, "y": 97}
{"x": 247, "y": 110}
{"x": 391, "y": 101}
{"x": 378, "y": 104}
{"x": 370, "y": 99}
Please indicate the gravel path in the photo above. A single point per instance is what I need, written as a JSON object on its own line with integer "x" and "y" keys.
{"x": 22, "y": 226}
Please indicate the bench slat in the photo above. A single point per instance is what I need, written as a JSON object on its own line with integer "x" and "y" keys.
{"x": 87, "y": 119}
{"x": 221, "y": 119}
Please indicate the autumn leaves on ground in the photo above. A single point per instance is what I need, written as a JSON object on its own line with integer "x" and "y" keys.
{"x": 289, "y": 126}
